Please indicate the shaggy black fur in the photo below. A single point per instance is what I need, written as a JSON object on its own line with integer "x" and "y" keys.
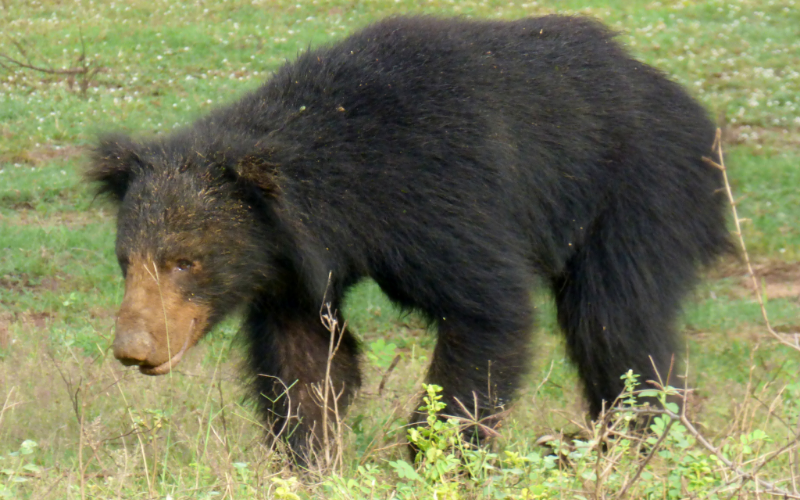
{"x": 454, "y": 162}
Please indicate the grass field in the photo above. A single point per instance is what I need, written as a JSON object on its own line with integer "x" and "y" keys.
{"x": 75, "y": 424}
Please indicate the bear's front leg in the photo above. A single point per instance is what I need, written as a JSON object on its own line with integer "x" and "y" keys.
{"x": 289, "y": 352}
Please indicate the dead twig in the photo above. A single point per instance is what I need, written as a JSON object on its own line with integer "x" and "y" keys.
{"x": 737, "y": 221}
{"x": 328, "y": 394}
{"x": 768, "y": 487}
{"x": 646, "y": 461}
{"x": 386, "y": 374}
{"x": 85, "y": 70}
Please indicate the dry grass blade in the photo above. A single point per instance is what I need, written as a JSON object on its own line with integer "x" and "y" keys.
{"x": 7, "y": 405}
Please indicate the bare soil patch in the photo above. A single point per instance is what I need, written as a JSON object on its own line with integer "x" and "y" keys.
{"x": 22, "y": 282}
{"x": 26, "y": 216}
{"x": 45, "y": 154}
{"x": 780, "y": 138}
{"x": 33, "y": 321}
{"x": 778, "y": 280}
{"x": 5, "y": 323}
{"x": 781, "y": 280}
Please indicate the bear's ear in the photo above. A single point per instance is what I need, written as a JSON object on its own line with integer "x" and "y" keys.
{"x": 258, "y": 172}
{"x": 112, "y": 165}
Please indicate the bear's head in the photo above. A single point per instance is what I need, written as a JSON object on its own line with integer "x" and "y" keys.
{"x": 193, "y": 238}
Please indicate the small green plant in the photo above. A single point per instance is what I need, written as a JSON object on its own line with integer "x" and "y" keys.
{"x": 438, "y": 446}
{"x": 285, "y": 488}
{"x": 17, "y": 467}
{"x": 381, "y": 354}
{"x": 446, "y": 466}
{"x": 70, "y": 299}
{"x": 367, "y": 483}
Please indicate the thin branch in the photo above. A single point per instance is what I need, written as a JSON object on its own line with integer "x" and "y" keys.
{"x": 767, "y": 486}
{"x": 737, "y": 221}
{"x": 86, "y": 71}
{"x": 49, "y": 71}
{"x": 646, "y": 461}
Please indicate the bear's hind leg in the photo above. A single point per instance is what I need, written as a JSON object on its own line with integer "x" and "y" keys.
{"x": 618, "y": 299}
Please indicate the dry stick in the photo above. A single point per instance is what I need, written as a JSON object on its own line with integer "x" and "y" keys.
{"x": 769, "y": 487}
{"x": 769, "y": 456}
{"x": 757, "y": 291}
{"x": 609, "y": 428}
{"x": 737, "y": 222}
{"x": 85, "y": 71}
{"x": 474, "y": 420}
{"x": 28, "y": 65}
{"x": 339, "y": 430}
{"x": 664, "y": 435}
{"x": 386, "y": 374}
{"x": 764, "y": 459}
{"x": 154, "y": 447}
{"x": 770, "y": 408}
{"x": 331, "y": 324}
{"x": 740, "y": 474}
{"x": 144, "y": 456}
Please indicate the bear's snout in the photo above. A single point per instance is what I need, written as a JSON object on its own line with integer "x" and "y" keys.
{"x": 132, "y": 346}
{"x": 156, "y": 323}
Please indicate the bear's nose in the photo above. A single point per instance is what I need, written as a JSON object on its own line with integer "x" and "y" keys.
{"x": 132, "y": 347}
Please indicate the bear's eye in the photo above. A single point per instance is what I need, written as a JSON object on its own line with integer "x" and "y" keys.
{"x": 184, "y": 265}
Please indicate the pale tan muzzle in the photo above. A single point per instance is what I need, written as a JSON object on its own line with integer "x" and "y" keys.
{"x": 155, "y": 323}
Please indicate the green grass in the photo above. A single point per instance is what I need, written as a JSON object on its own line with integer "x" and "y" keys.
{"x": 191, "y": 434}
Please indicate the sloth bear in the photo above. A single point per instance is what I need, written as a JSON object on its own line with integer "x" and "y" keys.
{"x": 457, "y": 163}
